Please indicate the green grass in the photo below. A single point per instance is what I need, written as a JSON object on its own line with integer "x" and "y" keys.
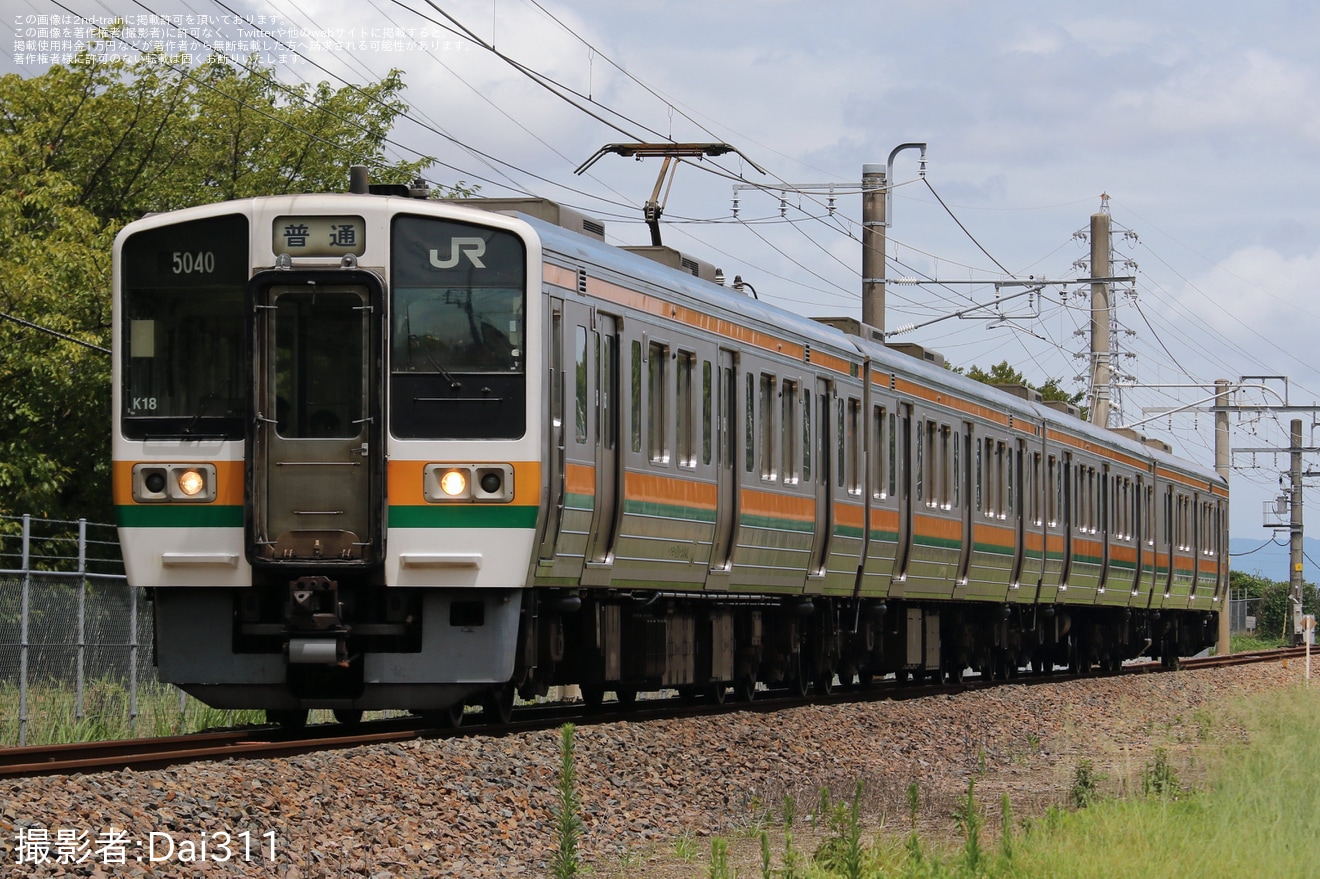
{"x": 52, "y": 712}
{"x": 1244, "y": 644}
{"x": 1254, "y": 819}
{"x": 162, "y": 710}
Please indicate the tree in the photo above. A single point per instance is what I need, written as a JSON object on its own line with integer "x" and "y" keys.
{"x": 1273, "y": 605}
{"x": 88, "y": 147}
{"x": 1003, "y": 374}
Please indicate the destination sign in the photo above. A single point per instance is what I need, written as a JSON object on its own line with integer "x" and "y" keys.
{"x": 200, "y": 253}
{"x": 319, "y": 235}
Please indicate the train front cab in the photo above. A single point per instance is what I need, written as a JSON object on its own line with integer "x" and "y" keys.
{"x": 359, "y": 411}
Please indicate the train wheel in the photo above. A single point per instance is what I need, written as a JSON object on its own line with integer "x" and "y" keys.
{"x": 498, "y": 706}
{"x": 799, "y": 682}
{"x": 445, "y": 718}
{"x": 290, "y": 719}
{"x": 744, "y": 689}
{"x": 718, "y": 692}
{"x": 825, "y": 682}
{"x": 348, "y": 716}
{"x": 627, "y": 696}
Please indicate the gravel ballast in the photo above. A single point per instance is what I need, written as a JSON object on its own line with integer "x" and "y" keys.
{"x": 482, "y": 806}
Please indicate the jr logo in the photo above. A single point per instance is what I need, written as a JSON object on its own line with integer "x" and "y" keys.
{"x": 472, "y": 248}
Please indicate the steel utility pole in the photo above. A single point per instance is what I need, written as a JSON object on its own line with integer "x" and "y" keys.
{"x": 1100, "y": 315}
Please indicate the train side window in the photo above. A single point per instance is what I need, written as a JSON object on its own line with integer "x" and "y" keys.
{"x": 854, "y": 444}
{"x": 707, "y": 394}
{"x": 580, "y": 405}
{"x": 952, "y": 495}
{"x": 1150, "y": 516}
{"x": 842, "y": 450}
{"x": 1167, "y": 520}
{"x": 1008, "y": 495}
{"x": 607, "y": 378}
{"x": 751, "y": 422}
{"x": 917, "y": 470}
{"x": 657, "y": 385}
{"x": 1102, "y": 503}
{"x": 806, "y": 435}
{"x": 685, "y": 439}
{"x": 728, "y": 419}
{"x": 1031, "y": 488}
{"x": 980, "y": 479}
{"x": 999, "y": 474}
{"x": 767, "y": 433}
{"x": 636, "y": 388}
{"x": 893, "y": 454}
{"x": 788, "y": 431}
{"x": 823, "y": 472}
{"x": 879, "y": 454}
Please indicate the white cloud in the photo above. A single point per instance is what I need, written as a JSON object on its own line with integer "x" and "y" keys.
{"x": 1251, "y": 92}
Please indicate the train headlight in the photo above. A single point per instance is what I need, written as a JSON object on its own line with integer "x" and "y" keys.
{"x": 468, "y": 483}
{"x": 165, "y": 483}
{"x": 191, "y": 483}
{"x": 454, "y": 483}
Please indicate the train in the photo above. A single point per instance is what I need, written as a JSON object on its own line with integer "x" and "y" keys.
{"x": 379, "y": 451}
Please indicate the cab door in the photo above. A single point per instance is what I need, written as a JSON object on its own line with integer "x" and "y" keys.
{"x": 316, "y": 456}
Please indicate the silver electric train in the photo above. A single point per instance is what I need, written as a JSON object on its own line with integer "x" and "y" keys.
{"x": 374, "y": 451}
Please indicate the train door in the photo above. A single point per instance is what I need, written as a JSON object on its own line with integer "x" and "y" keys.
{"x": 554, "y": 450}
{"x": 824, "y": 524}
{"x": 962, "y": 497}
{"x": 317, "y": 452}
{"x": 726, "y": 456}
{"x": 603, "y": 368}
{"x": 1025, "y": 508}
{"x": 1105, "y": 525}
{"x": 903, "y": 469}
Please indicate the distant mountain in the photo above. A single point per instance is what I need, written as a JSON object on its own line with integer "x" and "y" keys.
{"x": 1270, "y": 560}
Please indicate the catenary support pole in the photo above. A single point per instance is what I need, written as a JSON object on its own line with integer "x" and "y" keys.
{"x": 1223, "y": 466}
{"x": 1292, "y": 626}
{"x": 1100, "y": 315}
{"x": 873, "y": 246}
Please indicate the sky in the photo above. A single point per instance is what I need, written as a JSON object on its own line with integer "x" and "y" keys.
{"x": 1194, "y": 124}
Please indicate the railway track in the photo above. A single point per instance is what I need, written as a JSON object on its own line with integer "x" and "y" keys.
{"x": 269, "y": 742}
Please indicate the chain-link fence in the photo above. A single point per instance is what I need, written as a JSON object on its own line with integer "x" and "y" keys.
{"x": 75, "y": 639}
{"x": 1242, "y": 614}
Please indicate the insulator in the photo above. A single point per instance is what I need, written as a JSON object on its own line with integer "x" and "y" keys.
{"x": 735, "y": 207}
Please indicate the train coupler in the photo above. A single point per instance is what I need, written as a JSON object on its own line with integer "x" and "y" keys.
{"x": 313, "y": 604}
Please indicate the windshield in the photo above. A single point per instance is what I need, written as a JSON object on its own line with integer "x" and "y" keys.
{"x": 458, "y": 330}
{"x": 183, "y": 329}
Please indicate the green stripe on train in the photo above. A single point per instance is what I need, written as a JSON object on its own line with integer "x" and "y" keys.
{"x": 462, "y": 516}
{"x": 179, "y": 516}
{"x": 668, "y": 511}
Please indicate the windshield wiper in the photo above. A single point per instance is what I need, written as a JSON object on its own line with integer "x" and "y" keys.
{"x": 454, "y": 384}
